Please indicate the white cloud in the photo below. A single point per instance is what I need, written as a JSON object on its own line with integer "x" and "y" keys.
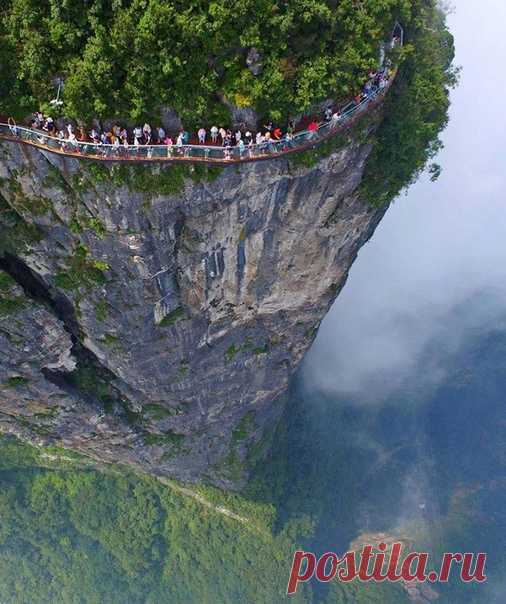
{"x": 441, "y": 245}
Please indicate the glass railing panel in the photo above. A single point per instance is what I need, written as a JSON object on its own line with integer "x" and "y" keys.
{"x": 300, "y": 140}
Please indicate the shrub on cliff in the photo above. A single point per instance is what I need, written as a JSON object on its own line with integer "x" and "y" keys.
{"x": 416, "y": 110}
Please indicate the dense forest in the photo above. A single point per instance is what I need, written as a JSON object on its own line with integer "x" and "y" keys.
{"x": 126, "y": 58}
{"x": 70, "y": 535}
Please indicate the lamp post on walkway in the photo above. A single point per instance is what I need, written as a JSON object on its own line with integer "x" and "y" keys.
{"x": 57, "y": 102}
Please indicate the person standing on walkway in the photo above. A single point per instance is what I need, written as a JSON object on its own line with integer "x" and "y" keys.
{"x": 146, "y": 131}
{"x": 313, "y": 128}
{"x": 137, "y": 133}
{"x": 179, "y": 142}
{"x": 214, "y": 134}
{"x": 169, "y": 143}
{"x": 227, "y": 144}
{"x": 137, "y": 143}
{"x": 202, "y": 135}
{"x": 336, "y": 118}
{"x": 269, "y": 144}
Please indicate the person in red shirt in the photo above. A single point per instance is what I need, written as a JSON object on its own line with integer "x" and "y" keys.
{"x": 313, "y": 128}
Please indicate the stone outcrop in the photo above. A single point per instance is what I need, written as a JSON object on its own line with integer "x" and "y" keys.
{"x": 163, "y": 310}
{"x": 254, "y": 61}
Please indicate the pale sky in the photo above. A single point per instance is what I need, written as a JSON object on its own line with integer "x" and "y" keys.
{"x": 438, "y": 246}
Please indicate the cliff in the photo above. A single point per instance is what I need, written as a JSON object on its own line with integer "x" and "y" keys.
{"x": 154, "y": 316}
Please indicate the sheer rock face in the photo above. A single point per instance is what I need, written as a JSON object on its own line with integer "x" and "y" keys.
{"x": 196, "y": 307}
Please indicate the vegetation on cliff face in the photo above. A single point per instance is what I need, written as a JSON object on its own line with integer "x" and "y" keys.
{"x": 416, "y": 110}
{"x": 126, "y": 58}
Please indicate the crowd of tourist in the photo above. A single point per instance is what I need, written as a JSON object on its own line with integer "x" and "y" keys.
{"x": 122, "y": 141}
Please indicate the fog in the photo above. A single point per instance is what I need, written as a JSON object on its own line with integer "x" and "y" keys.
{"x": 439, "y": 247}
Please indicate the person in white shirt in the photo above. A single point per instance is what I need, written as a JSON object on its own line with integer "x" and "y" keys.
{"x": 336, "y": 118}
{"x": 202, "y": 135}
{"x": 169, "y": 143}
{"x": 214, "y": 134}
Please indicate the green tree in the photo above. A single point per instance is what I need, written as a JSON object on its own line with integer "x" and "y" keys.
{"x": 125, "y": 59}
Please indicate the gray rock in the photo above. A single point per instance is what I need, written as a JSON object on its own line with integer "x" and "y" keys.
{"x": 242, "y": 116}
{"x": 170, "y": 119}
{"x": 211, "y": 298}
{"x": 254, "y": 61}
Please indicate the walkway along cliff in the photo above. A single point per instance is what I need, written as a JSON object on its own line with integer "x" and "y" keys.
{"x": 153, "y": 314}
{"x": 207, "y": 154}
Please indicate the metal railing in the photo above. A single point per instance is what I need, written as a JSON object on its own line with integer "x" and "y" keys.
{"x": 213, "y": 154}
{"x": 206, "y": 153}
